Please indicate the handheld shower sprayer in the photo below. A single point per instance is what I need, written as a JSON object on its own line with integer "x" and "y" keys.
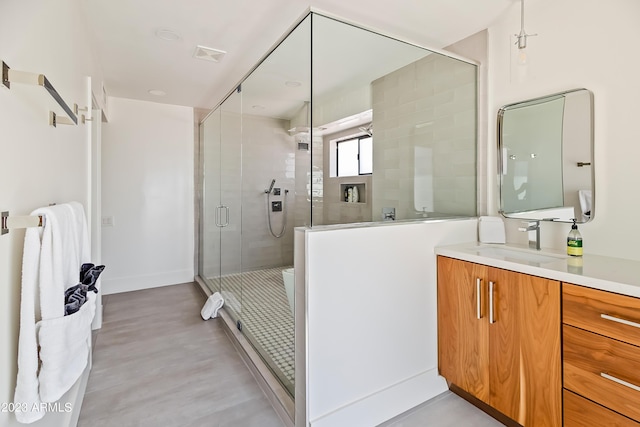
{"x": 281, "y": 205}
{"x": 273, "y": 182}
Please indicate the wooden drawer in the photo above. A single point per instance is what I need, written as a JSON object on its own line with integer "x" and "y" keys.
{"x": 587, "y": 356}
{"x": 580, "y": 412}
{"x": 584, "y": 308}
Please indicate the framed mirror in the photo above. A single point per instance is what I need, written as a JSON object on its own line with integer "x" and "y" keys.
{"x": 545, "y": 158}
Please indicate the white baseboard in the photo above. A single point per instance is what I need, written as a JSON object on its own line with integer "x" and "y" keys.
{"x": 97, "y": 319}
{"x": 387, "y": 403}
{"x": 136, "y": 283}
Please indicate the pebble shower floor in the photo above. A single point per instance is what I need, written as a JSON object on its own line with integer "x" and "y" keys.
{"x": 265, "y": 316}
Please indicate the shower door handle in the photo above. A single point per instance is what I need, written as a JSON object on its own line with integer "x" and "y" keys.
{"x": 218, "y": 216}
{"x": 226, "y": 219}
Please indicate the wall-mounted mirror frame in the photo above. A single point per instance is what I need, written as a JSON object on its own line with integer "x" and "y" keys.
{"x": 545, "y": 158}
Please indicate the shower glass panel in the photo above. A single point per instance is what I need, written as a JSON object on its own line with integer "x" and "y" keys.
{"x": 209, "y": 253}
{"x": 275, "y": 99}
{"x": 420, "y": 109}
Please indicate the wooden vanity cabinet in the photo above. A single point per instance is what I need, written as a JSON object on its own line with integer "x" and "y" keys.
{"x": 601, "y": 356}
{"x": 499, "y": 339}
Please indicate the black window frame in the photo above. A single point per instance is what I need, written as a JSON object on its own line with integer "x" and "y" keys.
{"x": 351, "y": 138}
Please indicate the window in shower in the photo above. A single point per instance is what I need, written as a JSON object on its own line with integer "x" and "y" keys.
{"x": 354, "y": 156}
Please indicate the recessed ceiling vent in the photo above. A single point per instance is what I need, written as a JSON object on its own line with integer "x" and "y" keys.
{"x": 208, "y": 53}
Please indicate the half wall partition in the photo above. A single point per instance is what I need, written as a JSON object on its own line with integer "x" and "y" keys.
{"x": 329, "y": 97}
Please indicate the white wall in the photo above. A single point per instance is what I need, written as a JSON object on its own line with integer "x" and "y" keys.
{"x": 372, "y": 319}
{"x": 38, "y": 164}
{"x": 148, "y": 189}
{"x": 581, "y": 43}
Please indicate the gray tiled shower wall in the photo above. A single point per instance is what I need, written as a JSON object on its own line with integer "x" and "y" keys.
{"x": 425, "y": 139}
{"x": 268, "y": 152}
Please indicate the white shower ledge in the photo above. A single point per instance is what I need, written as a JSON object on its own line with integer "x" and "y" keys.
{"x": 598, "y": 272}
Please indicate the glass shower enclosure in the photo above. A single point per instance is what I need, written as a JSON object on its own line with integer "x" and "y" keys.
{"x": 269, "y": 159}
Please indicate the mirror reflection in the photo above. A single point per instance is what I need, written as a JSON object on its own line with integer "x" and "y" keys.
{"x": 546, "y": 157}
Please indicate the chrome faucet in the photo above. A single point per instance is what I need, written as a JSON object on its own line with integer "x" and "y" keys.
{"x": 533, "y": 228}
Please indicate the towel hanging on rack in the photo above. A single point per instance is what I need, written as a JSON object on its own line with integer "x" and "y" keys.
{"x": 53, "y": 349}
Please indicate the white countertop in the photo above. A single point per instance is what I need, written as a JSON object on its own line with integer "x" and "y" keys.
{"x": 599, "y": 272}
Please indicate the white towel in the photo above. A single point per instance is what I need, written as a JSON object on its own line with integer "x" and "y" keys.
{"x": 65, "y": 343}
{"x": 65, "y": 246}
{"x": 211, "y": 307}
{"x": 51, "y": 262}
{"x": 26, "y": 394}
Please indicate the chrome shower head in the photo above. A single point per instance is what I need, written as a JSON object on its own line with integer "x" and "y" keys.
{"x": 273, "y": 182}
{"x": 368, "y": 129}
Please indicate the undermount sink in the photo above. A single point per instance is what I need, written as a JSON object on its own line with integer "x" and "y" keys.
{"x": 518, "y": 255}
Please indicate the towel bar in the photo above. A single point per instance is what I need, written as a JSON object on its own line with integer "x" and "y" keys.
{"x": 14, "y": 222}
{"x": 9, "y": 76}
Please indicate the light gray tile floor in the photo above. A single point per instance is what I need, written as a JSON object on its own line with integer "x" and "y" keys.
{"x": 445, "y": 410}
{"x": 157, "y": 363}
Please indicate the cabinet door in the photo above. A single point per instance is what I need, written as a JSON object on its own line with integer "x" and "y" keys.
{"x": 463, "y": 356}
{"x": 504, "y": 342}
{"x": 524, "y": 348}
{"x": 540, "y": 351}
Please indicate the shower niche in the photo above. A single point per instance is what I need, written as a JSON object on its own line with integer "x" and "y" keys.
{"x": 353, "y": 193}
{"x": 325, "y": 81}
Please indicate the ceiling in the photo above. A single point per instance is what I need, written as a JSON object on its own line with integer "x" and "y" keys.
{"x": 135, "y": 60}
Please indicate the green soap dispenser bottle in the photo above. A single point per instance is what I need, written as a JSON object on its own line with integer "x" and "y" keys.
{"x": 574, "y": 241}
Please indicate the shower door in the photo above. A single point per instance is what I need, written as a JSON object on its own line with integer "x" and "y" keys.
{"x": 230, "y": 209}
{"x": 220, "y": 264}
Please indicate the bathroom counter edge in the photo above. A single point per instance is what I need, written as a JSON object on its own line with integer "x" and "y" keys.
{"x": 598, "y": 272}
